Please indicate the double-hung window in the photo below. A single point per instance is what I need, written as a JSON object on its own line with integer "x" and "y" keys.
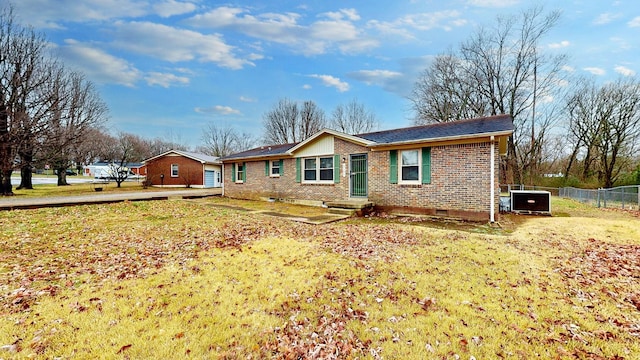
{"x": 174, "y": 170}
{"x": 318, "y": 169}
{"x": 275, "y": 168}
{"x": 240, "y": 172}
{"x": 410, "y": 166}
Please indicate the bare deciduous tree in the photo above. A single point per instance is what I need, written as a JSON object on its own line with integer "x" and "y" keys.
{"x": 44, "y": 109}
{"x": 443, "y": 93}
{"x": 353, "y": 118}
{"x": 23, "y": 72}
{"x": 288, "y": 123}
{"x": 219, "y": 141}
{"x": 499, "y": 70}
{"x": 125, "y": 148}
{"x": 311, "y": 119}
{"x": 77, "y": 109}
{"x": 605, "y": 126}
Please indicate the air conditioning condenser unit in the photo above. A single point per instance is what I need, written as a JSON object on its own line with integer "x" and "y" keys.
{"x": 531, "y": 202}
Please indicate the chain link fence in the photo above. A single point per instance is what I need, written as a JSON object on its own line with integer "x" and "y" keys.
{"x": 624, "y": 197}
{"x": 506, "y": 188}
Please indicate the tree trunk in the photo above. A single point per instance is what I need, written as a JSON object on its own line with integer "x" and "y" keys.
{"x": 7, "y": 188}
{"x": 25, "y": 178}
{"x": 6, "y": 158}
{"x": 62, "y": 177}
{"x": 26, "y": 158}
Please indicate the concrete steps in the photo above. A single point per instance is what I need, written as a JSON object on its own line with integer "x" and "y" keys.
{"x": 349, "y": 207}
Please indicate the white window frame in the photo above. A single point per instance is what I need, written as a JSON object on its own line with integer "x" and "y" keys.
{"x": 401, "y": 165}
{"x": 239, "y": 173}
{"x": 274, "y": 164}
{"x": 175, "y": 170}
{"x": 317, "y": 170}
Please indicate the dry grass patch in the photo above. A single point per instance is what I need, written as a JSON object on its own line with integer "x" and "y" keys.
{"x": 179, "y": 279}
{"x": 46, "y": 190}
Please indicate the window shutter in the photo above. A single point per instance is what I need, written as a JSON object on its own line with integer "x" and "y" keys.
{"x": 393, "y": 166}
{"x": 244, "y": 172}
{"x": 266, "y": 168}
{"x": 336, "y": 169}
{"x": 281, "y": 167}
{"x": 426, "y": 165}
{"x": 233, "y": 172}
{"x": 297, "y": 170}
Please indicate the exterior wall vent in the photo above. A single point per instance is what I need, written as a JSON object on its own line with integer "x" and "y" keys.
{"x": 531, "y": 202}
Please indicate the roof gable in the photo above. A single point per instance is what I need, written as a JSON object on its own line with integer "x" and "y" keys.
{"x": 326, "y": 132}
{"x": 203, "y": 158}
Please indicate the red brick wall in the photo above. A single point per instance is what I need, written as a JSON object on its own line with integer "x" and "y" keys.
{"x": 190, "y": 172}
{"x": 460, "y": 184}
{"x": 260, "y": 185}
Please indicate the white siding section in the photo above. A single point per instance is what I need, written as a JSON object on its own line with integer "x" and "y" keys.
{"x": 321, "y": 146}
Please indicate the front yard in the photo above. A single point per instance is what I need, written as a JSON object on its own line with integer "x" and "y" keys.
{"x": 194, "y": 279}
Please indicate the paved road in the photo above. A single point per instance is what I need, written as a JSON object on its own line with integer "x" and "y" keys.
{"x": 17, "y": 202}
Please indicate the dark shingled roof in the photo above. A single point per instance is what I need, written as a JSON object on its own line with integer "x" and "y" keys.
{"x": 483, "y": 125}
{"x": 266, "y": 151}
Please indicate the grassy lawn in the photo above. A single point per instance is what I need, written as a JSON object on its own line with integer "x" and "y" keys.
{"x": 201, "y": 279}
{"x": 43, "y": 190}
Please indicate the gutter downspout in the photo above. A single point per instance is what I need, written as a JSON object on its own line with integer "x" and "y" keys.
{"x": 493, "y": 187}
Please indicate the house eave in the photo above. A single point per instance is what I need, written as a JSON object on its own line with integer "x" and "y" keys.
{"x": 256, "y": 158}
{"x": 440, "y": 140}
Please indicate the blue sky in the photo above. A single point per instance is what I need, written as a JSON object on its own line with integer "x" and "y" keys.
{"x": 168, "y": 68}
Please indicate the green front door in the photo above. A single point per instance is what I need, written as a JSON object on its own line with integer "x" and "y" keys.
{"x": 358, "y": 178}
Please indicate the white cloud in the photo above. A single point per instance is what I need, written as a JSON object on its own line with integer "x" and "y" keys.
{"x": 42, "y": 13}
{"x": 99, "y": 65}
{"x": 247, "y": 99}
{"x": 635, "y": 22}
{"x": 174, "y": 45}
{"x": 624, "y": 71}
{"x": 595, "y": 70}
{"x": 606, "y": 18}
{"x": 332, "y": 81}
{"x": 171, "y": 7}
{"x": 218, "y": 109}
{"x": 375, "y": 77}
{"x": 165, "y": 79}
{"x": 351, "y": 14}
{"x": 306, "y": 87}
{"x": 568, "y": 68}
{"x": 445, "y": 20}
{"x": 493, "y": 3}
{"x": 399, "y": 82}
{"x": 561, "y": 44}
{"x": 335, "y": 30}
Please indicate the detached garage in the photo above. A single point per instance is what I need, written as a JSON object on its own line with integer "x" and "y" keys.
{"x": 176, "y": 168}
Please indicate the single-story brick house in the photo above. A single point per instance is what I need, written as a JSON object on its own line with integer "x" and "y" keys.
{"x": 176, "y": 168}
{"x": 445, "y": 169}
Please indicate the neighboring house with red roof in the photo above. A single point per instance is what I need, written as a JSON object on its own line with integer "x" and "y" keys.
{"x": 445, "y": 169}
{"x": 176, "y": 168}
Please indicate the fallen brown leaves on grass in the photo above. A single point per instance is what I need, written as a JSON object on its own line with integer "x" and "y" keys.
{"x": 600, "y": 261}
{"x": 39, "y": 267}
